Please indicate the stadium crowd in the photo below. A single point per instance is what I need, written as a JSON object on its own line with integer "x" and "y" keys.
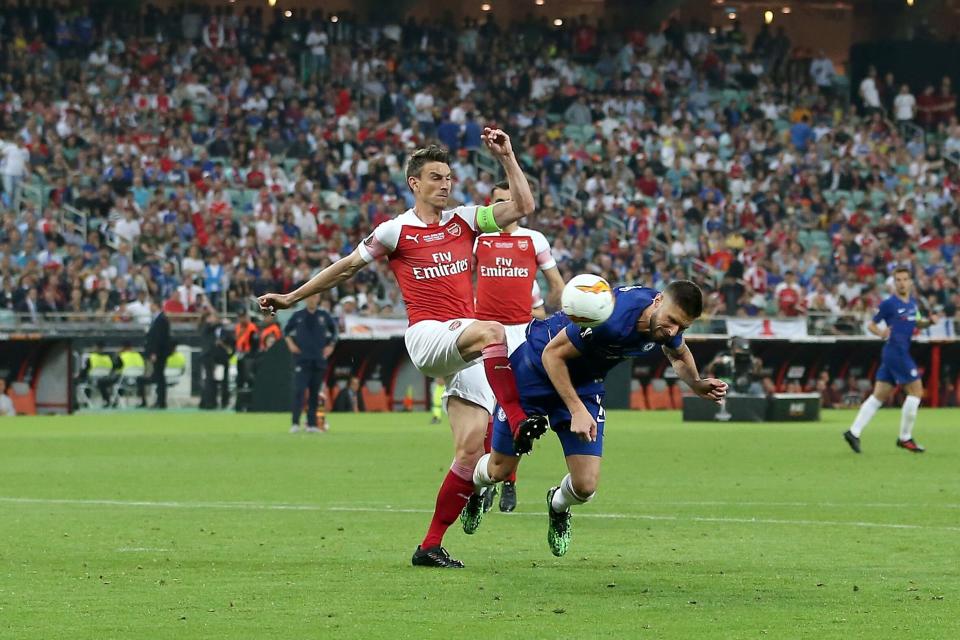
{"x": 217, "y": 156}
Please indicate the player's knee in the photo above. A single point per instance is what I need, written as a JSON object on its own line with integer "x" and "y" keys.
{"x": 468, "y": 455}
{"x": 493, "y": 333}
{"x": 585, "y": 485}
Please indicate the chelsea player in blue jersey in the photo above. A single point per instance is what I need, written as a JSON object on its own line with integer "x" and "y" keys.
{"x": 560, "y": 371}
{"x": 901, "y": 315}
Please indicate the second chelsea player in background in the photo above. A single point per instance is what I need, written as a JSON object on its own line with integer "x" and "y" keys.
{"x": 901, "y": 314}
{"x": 560, "y": 371}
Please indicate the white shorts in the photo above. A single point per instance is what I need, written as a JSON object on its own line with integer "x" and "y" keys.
{"x": 471, "y": 383}
{"x": 516, "y": 336}
{"x": 432, "y": 346}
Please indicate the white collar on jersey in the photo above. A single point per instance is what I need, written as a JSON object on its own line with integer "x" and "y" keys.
{"x": 410, "y": 218}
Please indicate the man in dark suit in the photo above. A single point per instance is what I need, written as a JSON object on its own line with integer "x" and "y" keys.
{"x": 349, "y": 399}
{"x": 29, "y": 306}
{"x": 158, "y": 348}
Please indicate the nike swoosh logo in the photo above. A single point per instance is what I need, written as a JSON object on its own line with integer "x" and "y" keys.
{"x": 500, "y": 366}
{"x": 465, "y": 497}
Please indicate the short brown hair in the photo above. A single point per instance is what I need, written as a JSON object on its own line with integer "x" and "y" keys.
{"x": 903, "y": 269}
{"x": 503, "y": 185}
{"x": 420, "y": 157}
{"x": 687, "y": 296}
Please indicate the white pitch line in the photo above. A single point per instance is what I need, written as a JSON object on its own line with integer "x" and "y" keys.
{"x": 269, "y": 506}
{"x": 717, "y": 519}
{"x": 810, "y": 505}
{"x": 167, "y": 504}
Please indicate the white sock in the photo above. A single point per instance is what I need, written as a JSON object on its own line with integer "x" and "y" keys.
{"x": 481, "y": 475}
{"x": 567, "y": 497}
{"x": 867, "y": 409}
{"x": 908, "y": 416}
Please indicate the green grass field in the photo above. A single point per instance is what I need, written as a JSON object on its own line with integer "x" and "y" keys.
{"x": 189, "y": 525}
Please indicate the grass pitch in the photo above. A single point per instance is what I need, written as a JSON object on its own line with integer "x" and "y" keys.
{"x": 188, "y": 525}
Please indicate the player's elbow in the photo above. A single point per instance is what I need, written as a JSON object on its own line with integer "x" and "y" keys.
{"x": 525, "y": 204}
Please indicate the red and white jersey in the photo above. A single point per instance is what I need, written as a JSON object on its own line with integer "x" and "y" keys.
{"x": 507, "y": 266}
{"x": 432, "y": 263}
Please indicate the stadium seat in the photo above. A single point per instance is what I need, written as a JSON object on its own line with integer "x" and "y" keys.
{"x": 658, "y": 395}
{"x": 375, "y": 396}
{"x": 24, "y": 400}
{"x": 126, "y": 388}
{"x": 638, "y": 402}
{"x": 173, "y": 375}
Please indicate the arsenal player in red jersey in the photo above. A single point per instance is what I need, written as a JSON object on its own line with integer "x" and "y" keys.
{"x": 430, "y": 252}
{"x": 507, "y": 292}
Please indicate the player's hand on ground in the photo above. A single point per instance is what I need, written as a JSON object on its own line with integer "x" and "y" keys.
{"x": 710, "y": 389}
{"x": 497, "y": 142}
{"x": 273, "y": 302}
{"x": 583, "y": 426}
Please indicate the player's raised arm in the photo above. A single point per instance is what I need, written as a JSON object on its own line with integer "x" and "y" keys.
{"x": 681, "y": 359}
{"x": 555, "y": 356}
{"x": 494, "y": 217}
{"x": 340, "y": 271}
{"x": 555, "y": 282}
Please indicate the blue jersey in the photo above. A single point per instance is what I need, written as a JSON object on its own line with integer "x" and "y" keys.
{"x": 312, "y": 332}
{"x": 901, "y": 317}
{"x": 602, "y": 348}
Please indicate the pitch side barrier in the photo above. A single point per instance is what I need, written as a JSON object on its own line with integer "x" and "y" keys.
{"x": 43, "y": 363}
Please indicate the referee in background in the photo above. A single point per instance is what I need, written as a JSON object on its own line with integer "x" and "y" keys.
{"x": 311, "y": 335}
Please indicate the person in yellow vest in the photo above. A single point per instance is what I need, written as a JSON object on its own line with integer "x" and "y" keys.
{"x": 176, "y": 360}
{"x": 439, "y": 388}
{"x": 102, "y": 368}
{"x": 130, "y": 361}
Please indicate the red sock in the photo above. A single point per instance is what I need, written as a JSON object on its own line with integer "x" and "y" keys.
{"x": 456, "y": 489}
{"x": 488, "y": 439}
{"x": 513, "y": 477}
{"x": 504, "y": 384}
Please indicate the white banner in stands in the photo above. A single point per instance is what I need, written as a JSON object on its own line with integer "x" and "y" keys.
{"x": 767, "y": 327}
{"x": 370, "y": 327}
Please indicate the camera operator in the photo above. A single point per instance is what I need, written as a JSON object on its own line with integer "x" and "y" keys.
{"x": 738, "y": 367}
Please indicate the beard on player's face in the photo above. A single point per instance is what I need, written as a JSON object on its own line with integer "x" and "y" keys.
{"x": 655, "y": 331}
{"x": 662, "y": 326}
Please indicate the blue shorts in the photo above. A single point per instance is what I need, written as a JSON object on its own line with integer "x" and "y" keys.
{"x": 897, "y": 369}
{"x": 559, "y": 416}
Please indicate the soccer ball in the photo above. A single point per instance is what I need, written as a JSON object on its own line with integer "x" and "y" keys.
{"x": 587, "y": 300}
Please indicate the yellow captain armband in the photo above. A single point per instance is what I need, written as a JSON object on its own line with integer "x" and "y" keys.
{"x": 485, "y": 220}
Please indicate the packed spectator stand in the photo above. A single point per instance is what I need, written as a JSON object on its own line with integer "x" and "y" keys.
{"x": 202, "y": 159}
